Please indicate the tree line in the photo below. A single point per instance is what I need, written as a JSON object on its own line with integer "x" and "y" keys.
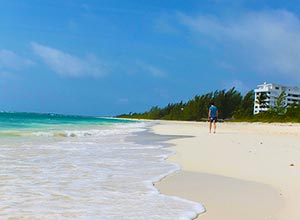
{"x": 231, "y": 106}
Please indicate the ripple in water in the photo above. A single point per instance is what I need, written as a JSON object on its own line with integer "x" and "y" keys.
{"x": 88, "y": 177}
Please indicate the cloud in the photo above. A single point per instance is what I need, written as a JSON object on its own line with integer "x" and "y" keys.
{"x": 152, "y": 70}
{"x": 265, "y": 41}
{"x": 9, "y": 60}
{"x": 68, "y": 65}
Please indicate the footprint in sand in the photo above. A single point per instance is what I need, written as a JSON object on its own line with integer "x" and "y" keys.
{"x": 292, "y": 165}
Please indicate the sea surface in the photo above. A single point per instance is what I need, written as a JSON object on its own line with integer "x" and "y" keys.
{"x": 57, "y": 167}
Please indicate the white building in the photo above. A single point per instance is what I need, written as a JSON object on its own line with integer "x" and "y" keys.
{"x": 272, "y": 92}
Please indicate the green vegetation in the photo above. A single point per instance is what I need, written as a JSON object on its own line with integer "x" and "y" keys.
{"x": 231, "y": 104}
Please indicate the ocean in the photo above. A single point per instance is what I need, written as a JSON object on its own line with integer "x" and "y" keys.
{"x": 57, "y": 167}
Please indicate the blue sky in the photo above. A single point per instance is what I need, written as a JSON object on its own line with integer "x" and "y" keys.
{"x": 107, "y": 57}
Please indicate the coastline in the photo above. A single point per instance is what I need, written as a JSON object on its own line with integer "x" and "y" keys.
{"x": 242, "y": 172}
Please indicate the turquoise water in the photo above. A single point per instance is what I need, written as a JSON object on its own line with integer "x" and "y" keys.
{"x": 18, "y": 120}
{"x": 24, "y": 124}
{"x": 83, "y": 168}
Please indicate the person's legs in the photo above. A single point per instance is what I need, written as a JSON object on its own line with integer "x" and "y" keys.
{"x": 215, "y": 126}
{"x": 210, "y": 125}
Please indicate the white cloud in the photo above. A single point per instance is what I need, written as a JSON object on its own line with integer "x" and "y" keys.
{"x": 67, "y": 64}
{"x": 9, "y": 60}
{"x": 266, "y": 41}
{"x": 152, "y": 70}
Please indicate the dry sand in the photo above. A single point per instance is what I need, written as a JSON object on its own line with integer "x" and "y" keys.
{"x": 245, "y": 171}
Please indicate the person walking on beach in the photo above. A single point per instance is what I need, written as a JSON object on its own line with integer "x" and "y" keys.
{"x": 212, "y": 116}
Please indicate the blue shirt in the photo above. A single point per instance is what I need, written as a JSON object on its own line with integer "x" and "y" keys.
{"x": 213, "y": 111}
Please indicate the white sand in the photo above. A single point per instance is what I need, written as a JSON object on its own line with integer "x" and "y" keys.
{"x": 242, "y": 172}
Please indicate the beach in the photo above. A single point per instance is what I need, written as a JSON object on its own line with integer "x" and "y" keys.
{"x": 244, "y": 171}
{"x": 84, "y": 168}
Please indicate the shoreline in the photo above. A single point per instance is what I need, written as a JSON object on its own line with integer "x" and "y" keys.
{"x": 242, "y": 172}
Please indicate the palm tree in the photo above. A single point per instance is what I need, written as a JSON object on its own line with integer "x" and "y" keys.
{"x": 280, "y": 107}
{"x": 262, "y": 100}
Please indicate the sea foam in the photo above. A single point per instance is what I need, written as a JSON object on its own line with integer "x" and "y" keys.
{"x": 89, "y": 175}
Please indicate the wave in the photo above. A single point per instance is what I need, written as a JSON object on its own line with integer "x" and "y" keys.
{"x": 81, "y": 178}
{"x": 116, "y": 129}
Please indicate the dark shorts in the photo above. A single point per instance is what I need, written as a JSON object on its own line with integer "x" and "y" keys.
{"x": 213, "y": 119}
